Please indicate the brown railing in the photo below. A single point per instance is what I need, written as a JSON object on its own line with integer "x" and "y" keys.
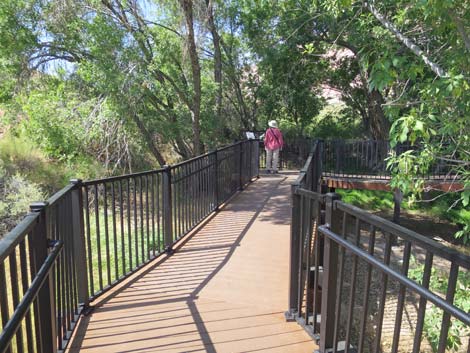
{"x": 360, "y": 283}
{"x": 91, "y": 235}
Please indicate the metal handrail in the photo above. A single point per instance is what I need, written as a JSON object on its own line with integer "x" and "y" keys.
{"x": 24, "y": 306}
{"x": 407, "y": 234}
{"x": 424, "y": 292}
{"x": 16, "y": 235}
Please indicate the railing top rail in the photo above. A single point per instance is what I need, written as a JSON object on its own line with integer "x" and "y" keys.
{"x": 188, "y": 161}
{"x": 122, "y": 177}
{"x": 160, "y": 170}
{"x": 395, "y": 229}
{"x": 426, "y": 293}
{"x": 310, "y": 194}
{"x": 51, "y": 201}
{"x": 17, "y": 234}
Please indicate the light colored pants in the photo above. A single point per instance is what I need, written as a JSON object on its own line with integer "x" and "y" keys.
{"x": 272, "y": 159}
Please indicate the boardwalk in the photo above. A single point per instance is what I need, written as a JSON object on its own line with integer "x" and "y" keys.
{"x": 224, "y": 290}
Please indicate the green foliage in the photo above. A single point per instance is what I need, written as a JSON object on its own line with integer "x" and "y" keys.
{"x": 335, "y": 121}
{"x": 16, "y": 193}
{"x": 368, "y": 199}
{"x": 19, "y": 157}
{"x": 433, "y": 319}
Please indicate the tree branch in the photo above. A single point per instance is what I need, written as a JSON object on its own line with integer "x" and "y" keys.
{"x": 406, "y": 41}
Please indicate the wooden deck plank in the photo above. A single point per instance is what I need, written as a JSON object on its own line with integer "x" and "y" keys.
{"x": 224, "y": 290}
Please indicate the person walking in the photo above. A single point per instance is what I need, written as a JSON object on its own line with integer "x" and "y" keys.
{"x": 273, "y": 143}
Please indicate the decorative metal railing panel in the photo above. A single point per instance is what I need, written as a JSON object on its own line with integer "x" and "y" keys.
{"x": 92, "y": 235}
{"x": 41, "y": 292}
{"x": 368, "y": 158}
{"x": 360, "y": 283}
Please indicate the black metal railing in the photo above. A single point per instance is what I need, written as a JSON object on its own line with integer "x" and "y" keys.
{"x": 360, "y": 283}
{"x": 367, "y": 158}
{"x": 293, "y": 154}
{"x": 91, "y": 235}
{"x": 131, "y": 219}
{"x": 41, "y": 277}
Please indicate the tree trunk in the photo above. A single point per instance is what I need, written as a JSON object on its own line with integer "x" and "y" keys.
{"x": 187, "y": 6}
{"x": 379, "y": 126}
{"x": 149, "y": 140}
{"x": 217, "y": 58}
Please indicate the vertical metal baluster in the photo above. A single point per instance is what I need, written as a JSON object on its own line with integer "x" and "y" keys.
{"x": 201, "y": 189}
{"x": 32, "y": 274}
{"x": 300, "y": 294}
{"x": 129, "y": 227}
{"x": 383, "y": 293}
{"x": 173, "y": 205}
{"x": 340, "y": 289}
{"x": 106, "y": 233}
{"x": 68, "y": 247}
{"x": 194, "y": 193}
{"x": 115, "y": 238}
{"x": 180, "y": 203}
{"x": 15, "y": 294}
{"x": 62, "y": 221}
{"x": 63, "y": 272}
{"x": 59, "y": 280}
{"x": 401, "y": 297}
{"x": 129, "y": 221}
{"x": 208, "y": 187}
{"x": 191, "y": 196}
{"x": 4, "y": 299}
{"x": 74, "y": 302}
{"x": 86, "y": 206}
{"x": 24, "y": 287}
{"x": 98, "y": 240}
{"x": 352, "y": 289}
{"x": 316, "y": 246}
{"x": 142, "y": 235}
{"x": 451, "y": 285}
{"x": 186, "y": 202}
{"x": 136, "y": 222}
{"x": 152, "y": 181}
{"x": 365, "y": 303}
{"x": 159, "y": 229}
{"x": 72, "y": 258}
{"x": 121, "y": 221}
{"x": 147, "y": 215}
{"x": 309, "y": 234}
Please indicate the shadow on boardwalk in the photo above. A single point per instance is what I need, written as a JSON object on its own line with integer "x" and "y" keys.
{"x": 224, "y": 290}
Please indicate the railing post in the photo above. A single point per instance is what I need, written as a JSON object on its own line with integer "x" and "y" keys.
{"x": 330, "y": 265}
{"x": 240, "y": 167}
{"x": 167, "y": 210}
{"x": 79, "y": 247}
{"x": 257, "y": 156}
{"x": 250, "y": 159}
{"x": 44, "y": 308}
{"x": 216, "y": 180}
{"x": 294, "y": 254}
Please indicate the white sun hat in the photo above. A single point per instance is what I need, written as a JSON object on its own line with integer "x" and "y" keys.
{"x": 272, "y": 123}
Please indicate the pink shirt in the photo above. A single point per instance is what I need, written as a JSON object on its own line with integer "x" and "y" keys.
{"x": 273, "y": 139}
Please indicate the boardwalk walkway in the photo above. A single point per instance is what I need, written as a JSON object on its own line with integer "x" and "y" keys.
{"x": 224, "y": 290}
